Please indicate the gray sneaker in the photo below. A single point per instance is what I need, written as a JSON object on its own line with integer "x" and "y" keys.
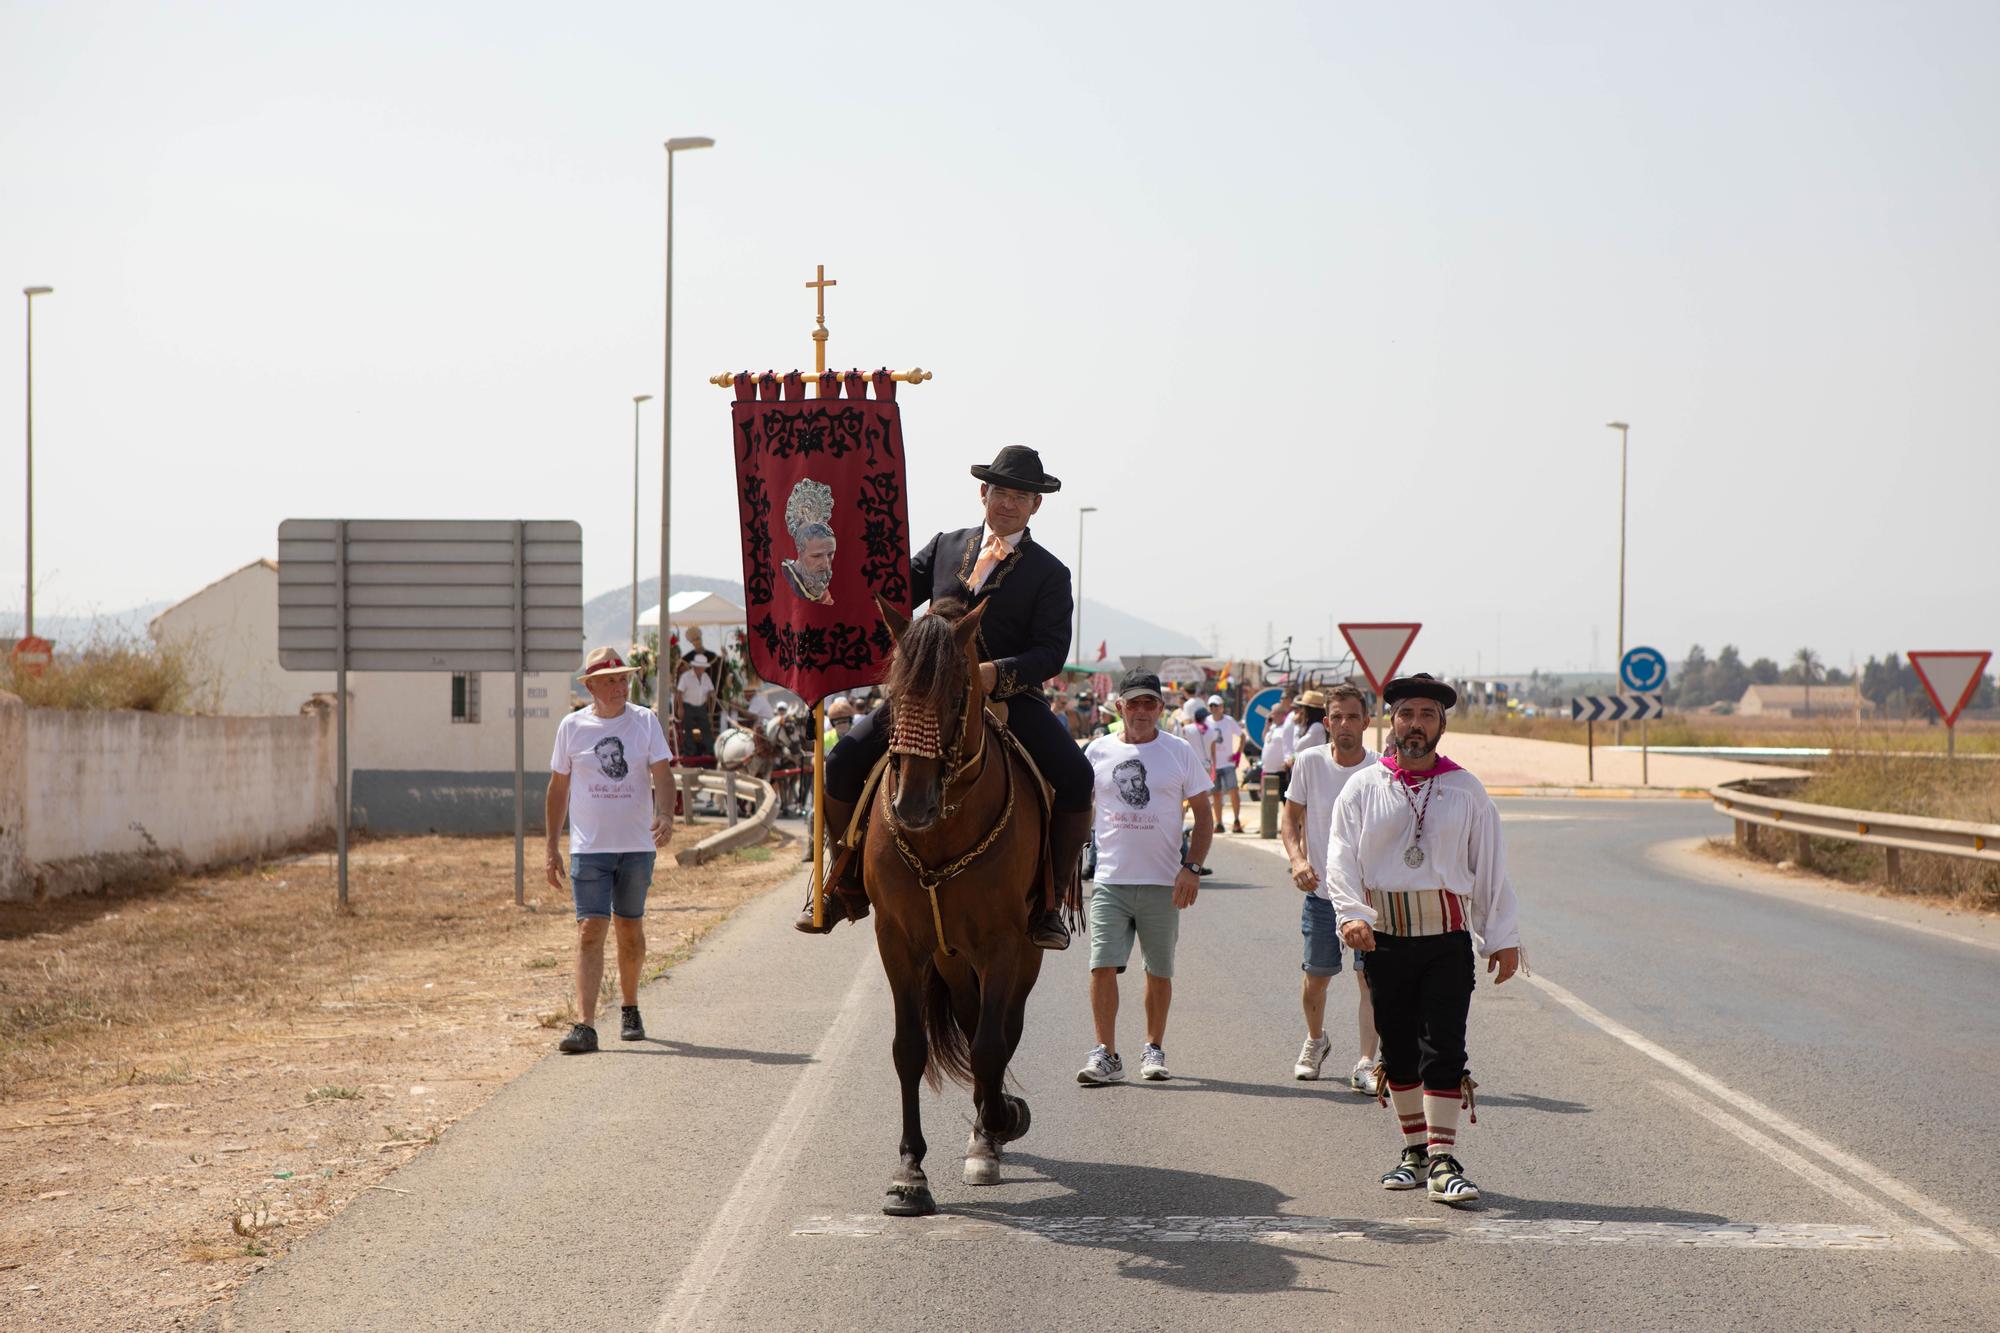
{"x": 1102, "y": 1067}
{"x": 1311, "y": 1056}
{"x": 1153, "y": 1064}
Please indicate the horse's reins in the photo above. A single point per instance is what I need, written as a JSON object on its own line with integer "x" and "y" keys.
{"x": 932, "y": 879}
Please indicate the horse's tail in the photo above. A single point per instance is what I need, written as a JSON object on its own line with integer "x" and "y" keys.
{"x": 950, "y": 1048}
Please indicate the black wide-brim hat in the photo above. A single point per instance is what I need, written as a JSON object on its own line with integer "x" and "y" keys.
{"x": 1423, "y": 685}
{"x": 1018, "y": 468}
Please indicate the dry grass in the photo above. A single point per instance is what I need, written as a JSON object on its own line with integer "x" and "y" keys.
{"x": 112, "y": 674}
{"x": 1904, "y": 786}
{"x": 195, "y": 1076}
{"x": 1702, "y": 730}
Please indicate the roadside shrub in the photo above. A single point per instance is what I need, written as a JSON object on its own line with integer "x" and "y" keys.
{"x": 109, "y": 674}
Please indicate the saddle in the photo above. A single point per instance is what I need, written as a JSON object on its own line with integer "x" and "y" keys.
{"x": 848, "y": 844}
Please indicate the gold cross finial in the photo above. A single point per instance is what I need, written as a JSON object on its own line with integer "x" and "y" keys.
{"x": 822, "y": 283}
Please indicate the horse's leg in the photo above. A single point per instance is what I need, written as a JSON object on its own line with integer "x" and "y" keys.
{"x": 909, "y": 1188}
{"x": 1017, "y": 1015}
{"x": 991, "y": 1047}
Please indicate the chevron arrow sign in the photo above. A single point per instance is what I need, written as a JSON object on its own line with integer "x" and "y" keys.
{"x": 1615, "y": 708}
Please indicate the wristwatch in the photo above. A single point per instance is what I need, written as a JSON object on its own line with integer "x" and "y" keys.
{"x": 1190, "y": 865}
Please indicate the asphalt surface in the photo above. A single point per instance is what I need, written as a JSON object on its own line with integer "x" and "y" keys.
{"x": 1710, "y": 1108}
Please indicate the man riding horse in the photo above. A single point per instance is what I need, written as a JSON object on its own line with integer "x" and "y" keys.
{"x": 1023, "y": 641}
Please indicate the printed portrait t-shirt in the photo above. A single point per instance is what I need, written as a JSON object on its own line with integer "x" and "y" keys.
{"x": 1139, "y": 791}
{"x": 609, "y": 762}
{"x": 1224, "y": 732}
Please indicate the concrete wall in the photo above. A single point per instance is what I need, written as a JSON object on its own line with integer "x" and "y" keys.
{"x": 116, "y": 795}
{"x": 429, "y": 801}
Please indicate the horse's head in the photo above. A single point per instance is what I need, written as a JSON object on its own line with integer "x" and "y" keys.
{"x": 935, "y": 696}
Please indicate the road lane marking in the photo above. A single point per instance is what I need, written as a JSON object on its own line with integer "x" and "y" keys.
{"x": 1867, "y": 1173}
{"x": 1871, "y": 1208}
{"x": 1113, "y": 1231}
{"x": 757, "y": 1186}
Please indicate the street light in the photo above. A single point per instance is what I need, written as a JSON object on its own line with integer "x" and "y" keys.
{"x": 1619, "y": 737}
{"x": 667, "y": 399}
{"x": 1078, "y": 640}
{"x": 29, "y": 608}
{"x": 637, "y": 399}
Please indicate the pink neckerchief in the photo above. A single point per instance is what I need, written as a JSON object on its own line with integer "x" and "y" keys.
{"x": 1443, "y": 765}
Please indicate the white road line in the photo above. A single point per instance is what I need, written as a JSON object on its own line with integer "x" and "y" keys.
{"x": 1440, "y": 1226}
{"x": 763, "y": 1176}
{"x": 1868, "y": 1174}
{"x": 1869, "y": 1207}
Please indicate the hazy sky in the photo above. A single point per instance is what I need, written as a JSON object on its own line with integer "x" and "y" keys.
{"x": 1323, "y": 305}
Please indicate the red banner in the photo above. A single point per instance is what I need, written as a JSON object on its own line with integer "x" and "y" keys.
{"x": 820, "y": 493}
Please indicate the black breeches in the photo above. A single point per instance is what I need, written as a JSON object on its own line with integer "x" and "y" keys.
{"x": 1040, "y": 732}
{"x": 1422, "y": 988}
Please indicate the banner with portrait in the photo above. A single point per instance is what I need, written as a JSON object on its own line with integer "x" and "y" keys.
{"x": 820, "y": 496}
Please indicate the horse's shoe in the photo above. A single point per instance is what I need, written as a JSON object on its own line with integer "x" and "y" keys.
{"x": 982, "y": 1159}
{"x": 913, "y": 1200}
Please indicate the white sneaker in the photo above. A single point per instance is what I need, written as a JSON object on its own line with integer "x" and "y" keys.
{"x": 1311, "y": 1056}
{"x": 1362, "y": 1077}
{"x": 1153, "y": 1063}
{"x": 1102, "y": 1067}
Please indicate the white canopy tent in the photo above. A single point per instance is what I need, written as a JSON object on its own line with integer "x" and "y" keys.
{"x": 687, "y": 609}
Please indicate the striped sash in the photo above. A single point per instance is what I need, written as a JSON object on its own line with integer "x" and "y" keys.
{"x": 1417, "y": 912}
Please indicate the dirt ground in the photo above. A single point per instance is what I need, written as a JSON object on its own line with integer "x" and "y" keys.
{"x": 195, "y": 1075}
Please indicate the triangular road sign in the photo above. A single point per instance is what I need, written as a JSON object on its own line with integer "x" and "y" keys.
{"x": 1379, "y": 649}
{"x": 1949, "y": 679}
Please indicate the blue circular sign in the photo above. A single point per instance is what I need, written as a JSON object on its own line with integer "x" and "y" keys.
{"x": 1257, "y": 714}
{"x": 1643, "y": 669}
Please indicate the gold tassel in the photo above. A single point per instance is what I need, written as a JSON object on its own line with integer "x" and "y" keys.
{"x": 1381, "y": 1083}
{"x": 1468, "y": 1102}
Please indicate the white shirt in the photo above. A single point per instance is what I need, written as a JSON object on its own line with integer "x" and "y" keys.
{"x": 1311, "y": 736}
{"x": 973, "y": 577}
{"x": 1224, "y": 732}
{"x": 1278, "y": 738}
{"x": 694, "y": 687}
{"x": 1317, "y": 781}
{"x": 1139, "y": 792}
{"x": 609, "y": 762}
{"x": 1373, "y": 825}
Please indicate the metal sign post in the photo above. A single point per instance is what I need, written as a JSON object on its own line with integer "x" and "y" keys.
{"x": 449, "y": 596}
{"x": 1591, "y": 709}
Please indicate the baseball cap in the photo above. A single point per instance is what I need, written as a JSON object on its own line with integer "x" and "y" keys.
{"x": 1135, "y": 683}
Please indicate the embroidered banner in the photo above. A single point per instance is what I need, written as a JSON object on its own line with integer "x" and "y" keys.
{"x": 820, "y": 493}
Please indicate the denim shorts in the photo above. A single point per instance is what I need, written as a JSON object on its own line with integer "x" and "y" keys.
{"x": 611, "y": 883}
{"x": 1317, "y": 924}
{"x": 1118, "y": 912}
{"x": 1225, "y": 779}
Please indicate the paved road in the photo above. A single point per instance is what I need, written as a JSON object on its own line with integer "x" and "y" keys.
{"x": 1711, "y": 1108}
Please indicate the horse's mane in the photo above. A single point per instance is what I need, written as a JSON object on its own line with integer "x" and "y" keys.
{"x": 928, "y": 669}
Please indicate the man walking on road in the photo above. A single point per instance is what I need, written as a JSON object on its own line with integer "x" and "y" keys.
{"x": 1142, "y": 777}
{"x": 1416, "y": 870}
{"x": 1318, "y": 775}
{"x": 1226, "y": 734}
{"x": 609, "y": 775}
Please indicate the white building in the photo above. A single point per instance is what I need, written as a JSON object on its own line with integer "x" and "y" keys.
{"x": 425, "y": 750}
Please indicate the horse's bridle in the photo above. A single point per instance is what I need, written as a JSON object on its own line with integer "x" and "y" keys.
{"x": 929, "y": 878}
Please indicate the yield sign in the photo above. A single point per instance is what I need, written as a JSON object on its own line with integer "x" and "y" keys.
{"x": 1949, "y": 679}
{"x": 1379, "y": 649}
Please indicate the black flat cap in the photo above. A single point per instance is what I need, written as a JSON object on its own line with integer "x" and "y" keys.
{"x": 1423, "y": 685}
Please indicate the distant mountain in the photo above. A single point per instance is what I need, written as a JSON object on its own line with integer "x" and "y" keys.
{"x": 607, "y": 618}
{"x": 77, "y": 631}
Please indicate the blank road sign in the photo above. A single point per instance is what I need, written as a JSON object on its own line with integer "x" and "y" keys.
{"x": 1949, "y": 678}
{"x": 430, "y": 595}
{"x": 1379, "y": 648}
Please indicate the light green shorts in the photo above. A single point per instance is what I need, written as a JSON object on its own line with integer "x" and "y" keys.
{"x": 1120, "y": 911}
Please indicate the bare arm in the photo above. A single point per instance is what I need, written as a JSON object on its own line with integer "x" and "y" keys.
{"x": 1292, "y": 830}
{"x": 1187, "y": 883}
{"x": 553, "y": 812}
{"x": 663, "y": 802}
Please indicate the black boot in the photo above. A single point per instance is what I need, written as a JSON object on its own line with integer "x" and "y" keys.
{"x": 1069, "y": 830}
{"x": 846, "y": 899}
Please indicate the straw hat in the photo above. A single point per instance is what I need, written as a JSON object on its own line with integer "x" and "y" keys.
{"x": 606, "y": 662}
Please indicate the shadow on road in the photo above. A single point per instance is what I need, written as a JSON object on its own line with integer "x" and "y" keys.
{"x": 1157, "y": 1192}
{"x": 1496, "y": 1205}
{"x": 1552, "y": 1105}
{"x": 665, "y": 1046}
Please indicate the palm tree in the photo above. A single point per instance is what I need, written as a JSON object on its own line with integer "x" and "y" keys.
{"x": 1808, "y": 663}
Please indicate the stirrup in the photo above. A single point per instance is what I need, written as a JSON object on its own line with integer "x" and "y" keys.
{"x": 1047, "y": 930}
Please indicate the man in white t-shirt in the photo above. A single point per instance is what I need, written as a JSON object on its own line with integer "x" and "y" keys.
{"x": 1276, "y": 760}
{"x": 692, "y": 694}
{"x": 609, "y": 775}
{"x": 1318, "y": 774}
{"x": 1142, "y": 884}
{"x": 1226, "y": 734}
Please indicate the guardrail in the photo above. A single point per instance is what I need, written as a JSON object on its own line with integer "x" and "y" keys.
{"x": 1895, "y": 834}
{"x": 741, "y": 830}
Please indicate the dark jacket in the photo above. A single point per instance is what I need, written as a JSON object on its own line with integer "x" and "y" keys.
{"x": 1025, "y": 632}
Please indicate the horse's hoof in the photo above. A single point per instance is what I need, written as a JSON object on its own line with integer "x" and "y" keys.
{"x": 1022, "y": 1118}
{"x": 982, "y": 1171}
{"x": 909, "y": 1201}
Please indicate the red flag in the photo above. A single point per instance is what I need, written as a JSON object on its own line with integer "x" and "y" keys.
{"x": 1100, "y": 648}
{"x": 820, "y": 493}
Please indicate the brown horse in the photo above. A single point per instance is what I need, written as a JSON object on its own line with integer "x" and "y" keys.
{"x": 952, "y": 855}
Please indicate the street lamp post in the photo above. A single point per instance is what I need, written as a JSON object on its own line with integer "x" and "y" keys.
{"x": 667, "y": 402}
{"x": 1078, "y": 639}
{"x": 637, "y": 399}
{"x": 1622, "y": 428}
{"x": 28, "y": 611}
